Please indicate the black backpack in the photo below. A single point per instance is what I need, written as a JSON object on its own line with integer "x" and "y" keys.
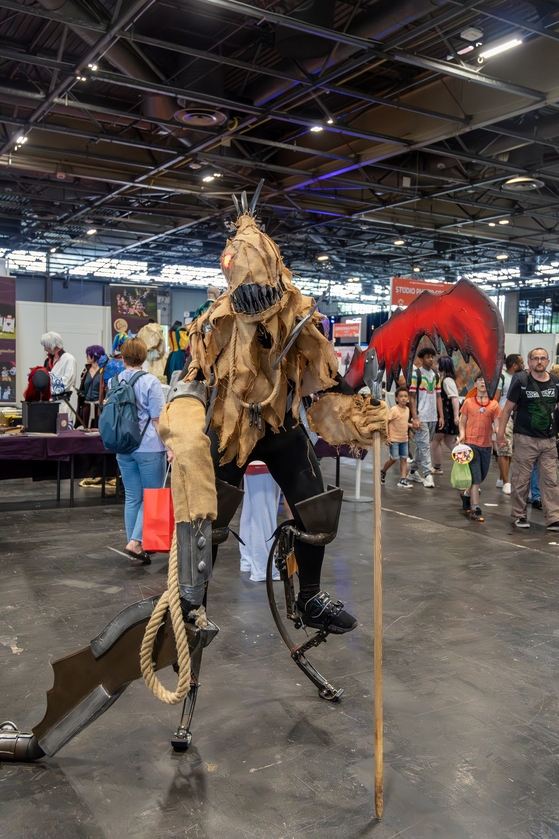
{"x": 119, "y": 426}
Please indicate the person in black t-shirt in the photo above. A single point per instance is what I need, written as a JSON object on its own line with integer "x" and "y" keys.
{"x": 533, "y": 395}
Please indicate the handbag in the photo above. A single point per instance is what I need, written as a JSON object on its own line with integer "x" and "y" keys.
{"x": 159, "y": 518}
{"x": 552, "y": 422}
{"x": 461, "y": 475}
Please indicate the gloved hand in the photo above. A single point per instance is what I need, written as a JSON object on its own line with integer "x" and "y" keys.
{"x": 348, "y": 420}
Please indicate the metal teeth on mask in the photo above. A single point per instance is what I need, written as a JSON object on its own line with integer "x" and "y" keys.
{"x": 252, "y": 299}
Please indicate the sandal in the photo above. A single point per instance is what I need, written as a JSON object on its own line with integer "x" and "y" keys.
{"x": 475, "y": 515}
{"x": 138, "y": 559}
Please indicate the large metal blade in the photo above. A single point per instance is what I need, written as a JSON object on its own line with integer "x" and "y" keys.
{"x": 256, "y": 196}
{"x": 293, "y": 335}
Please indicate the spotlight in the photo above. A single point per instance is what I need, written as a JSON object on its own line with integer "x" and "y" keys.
{"x": 417, "y": 269}
{"x": 330, "y": 121}
{"x": 53, "y": 250}
{"x": 208, "y": 178}
{"x": 399, "y": 242}
{"x": 316, "y": 128}
{"x": 92, "y": 67}
{"x": 503, "y": 221}
{"x": 491, "y": 224}
{"x": 91, "y": 232}
{"x": 21, "y": 140}
{"x": 322, "y": 257}
{"x": 354, "y": 279}
{"x": 502, "y": 256}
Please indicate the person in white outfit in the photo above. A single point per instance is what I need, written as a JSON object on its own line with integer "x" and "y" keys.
{"x": 259, "y": 519}
{"x": 62, "y": 366}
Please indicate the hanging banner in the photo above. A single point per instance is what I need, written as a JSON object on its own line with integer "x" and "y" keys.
{"x": 7, "y": 339}
{"x": 132, "y": 307}
{"x": 347, "y": 329}
{"x": 404, "y": 292}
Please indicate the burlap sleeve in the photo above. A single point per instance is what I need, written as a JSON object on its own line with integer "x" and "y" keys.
{"x": 181, "y": 427}
{"x": 348, "y": 420}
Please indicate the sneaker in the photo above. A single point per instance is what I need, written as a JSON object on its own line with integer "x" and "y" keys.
{"x": 475, "y": 514}
{"x": 382, "y": 477}
{"x": 506, "y": 489}
{"x": 466, "y": 503}
{"x": 553, "y": 526}
{"x": 321, "y": 612}
{"x": 409, "y": 460}
{"x": 500, "y": 484}
{"x": 414, "y": 476}
{"x": 404, "y": 484}
{"x": 522, "y": 521}
{"x": 429, "y": 483}
{"x": 436, "y": 470}
{"x": 537, "y": 504}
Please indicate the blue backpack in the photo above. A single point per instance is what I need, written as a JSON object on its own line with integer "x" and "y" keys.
{"x": 119, "y": 426}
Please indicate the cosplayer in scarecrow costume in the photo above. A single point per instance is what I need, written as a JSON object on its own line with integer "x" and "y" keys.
{"x": 257, "y": 352}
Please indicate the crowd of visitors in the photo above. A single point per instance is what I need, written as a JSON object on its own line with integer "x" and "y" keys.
{"x": 519, "y": 426}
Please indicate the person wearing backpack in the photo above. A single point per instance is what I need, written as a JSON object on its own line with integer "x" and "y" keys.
{"x": 143, "y": 468}
{"x": 533, "y": 395}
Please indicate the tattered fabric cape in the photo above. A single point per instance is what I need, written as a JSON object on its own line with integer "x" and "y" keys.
{"x": 227, "y": 348}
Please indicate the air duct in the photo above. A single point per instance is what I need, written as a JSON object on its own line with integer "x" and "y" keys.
{"x": 378, "y": 23}
{"x": 293, "y": 44}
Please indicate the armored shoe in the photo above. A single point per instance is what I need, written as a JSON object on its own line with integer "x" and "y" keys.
{"x": 321, "y": 612}
{"x": 18, "y": 746}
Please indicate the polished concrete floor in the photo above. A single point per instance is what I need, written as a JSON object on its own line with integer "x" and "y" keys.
{"x": 471, "y": 685}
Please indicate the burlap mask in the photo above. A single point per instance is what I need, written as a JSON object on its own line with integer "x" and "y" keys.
{"x": 236, "y": 342}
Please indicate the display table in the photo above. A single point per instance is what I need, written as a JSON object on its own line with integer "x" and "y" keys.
{"x": 20, "y": 452}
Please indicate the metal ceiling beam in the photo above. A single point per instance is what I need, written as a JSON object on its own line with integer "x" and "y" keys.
{"x": 37, "y": 11}
{"x": 111, "y": 35}
{"x": 304, "y": 82}
{"x": 447, "y": 69}
{"x": 495, "y": 14}
{"x": 243, "y": 107}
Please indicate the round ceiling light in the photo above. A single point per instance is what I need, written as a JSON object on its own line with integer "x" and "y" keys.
{"x": 398, "y": 242}
{"x": 197, "y": 117}
{"x": 523, "y": 183}
{"x": 502, "y": 256}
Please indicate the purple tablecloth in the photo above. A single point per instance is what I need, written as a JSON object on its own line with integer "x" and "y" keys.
{"x": 324, "y": 449}
{"x": 57, "y": 447}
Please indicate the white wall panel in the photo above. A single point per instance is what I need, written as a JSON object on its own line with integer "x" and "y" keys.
{"x": 80, "y": 326}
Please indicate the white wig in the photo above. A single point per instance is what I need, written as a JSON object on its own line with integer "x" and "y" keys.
{"x": 52, "y": 341}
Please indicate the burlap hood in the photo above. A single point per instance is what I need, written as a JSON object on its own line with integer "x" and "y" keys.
{"x": 228, "y": 348}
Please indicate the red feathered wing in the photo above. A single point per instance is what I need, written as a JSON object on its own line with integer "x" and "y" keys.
{"x": 464, "y": 318}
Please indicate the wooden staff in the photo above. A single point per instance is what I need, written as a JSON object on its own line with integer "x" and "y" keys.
{"x": 373, "y": 378}
{"x": 377, "y": 643}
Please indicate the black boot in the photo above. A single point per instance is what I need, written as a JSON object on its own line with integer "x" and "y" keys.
{"x": 321, "y": 612}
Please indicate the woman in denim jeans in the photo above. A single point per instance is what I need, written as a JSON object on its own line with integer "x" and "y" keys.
{"x": 144, "y": 468}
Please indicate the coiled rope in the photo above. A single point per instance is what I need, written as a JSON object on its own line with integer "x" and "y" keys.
{"x": 169, "y": 601}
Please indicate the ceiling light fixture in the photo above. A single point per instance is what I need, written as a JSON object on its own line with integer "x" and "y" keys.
{"x": 504, "y": 221}
{"x": 522, "y": 183}
{"x": 491, "y": 50}
{"x": 53, "y": 250}
{"x": 322, "y": 257}
{"x": 354, "y": 279}
{"x": 91, "y": 232}
{"x": 417, "y": 269}
{"x": 399, "y": 242}
{"x": 208, "y": 178}
{"x": 330, "y": 121}
{"x": 502, "y": 256}
{"x": 491, "y": 224}
{"x": 316, "y": 128}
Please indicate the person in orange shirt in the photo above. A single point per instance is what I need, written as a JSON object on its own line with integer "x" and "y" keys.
{"x": 477, "y": 416}
{"x": 399, "y": 425}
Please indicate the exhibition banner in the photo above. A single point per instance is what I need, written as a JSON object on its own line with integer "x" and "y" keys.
{"x": 404, "y": 292}
{"x": 347, "y": 329}
{"x": 132, "y": 306}
{"x": 7, "y": 339}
